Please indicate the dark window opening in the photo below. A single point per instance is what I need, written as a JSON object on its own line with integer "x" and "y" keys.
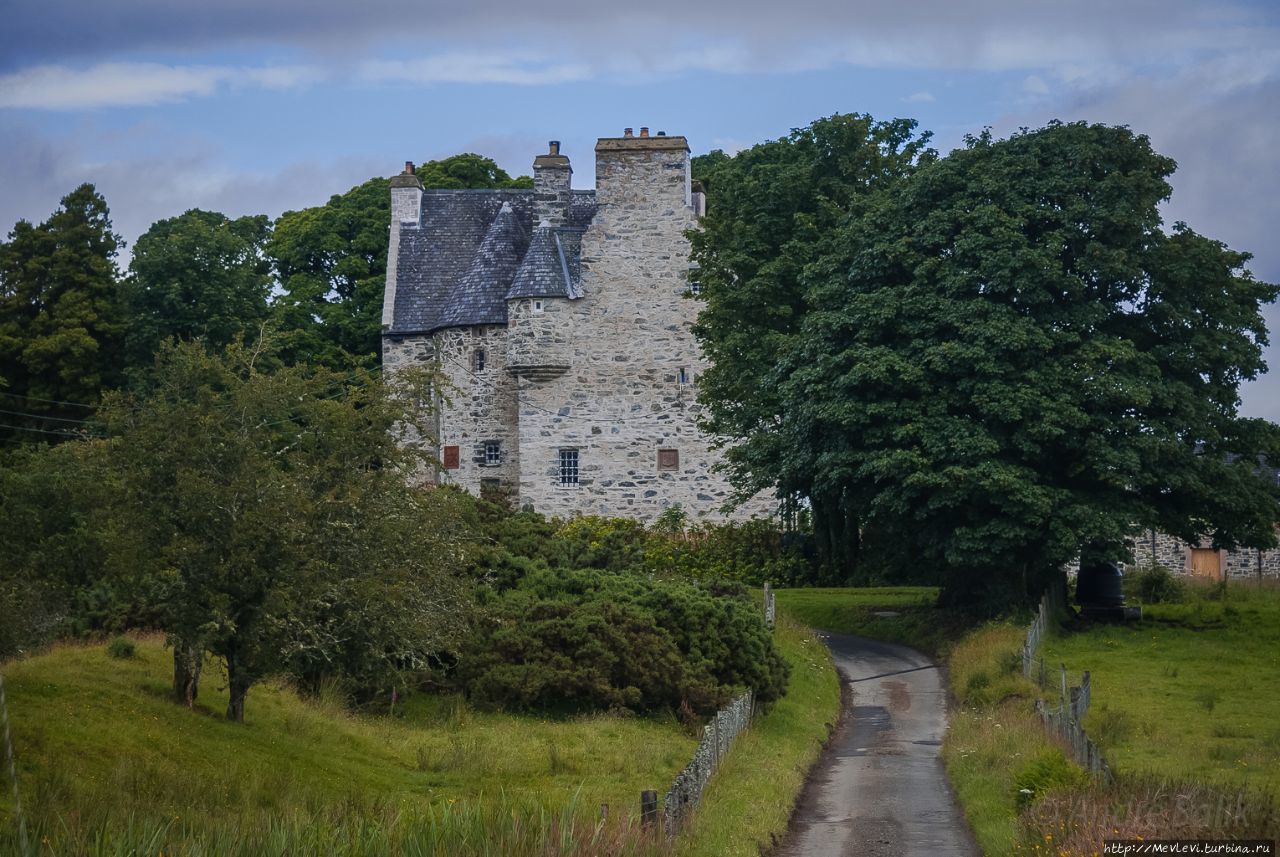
{"x": 492, "y": 453}
{"x": 478, "y": 360}
{"x": 568, "y": 467}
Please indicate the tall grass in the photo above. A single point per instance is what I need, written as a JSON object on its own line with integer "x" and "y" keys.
{"x": 477, "y": 828}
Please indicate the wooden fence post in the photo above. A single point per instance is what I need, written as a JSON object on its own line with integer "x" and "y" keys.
{"x": 648, "y": 807}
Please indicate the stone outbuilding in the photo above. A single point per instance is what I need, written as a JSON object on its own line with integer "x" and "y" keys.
{"x": 561, "y": 319}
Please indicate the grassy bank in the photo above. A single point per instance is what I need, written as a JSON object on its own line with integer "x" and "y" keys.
{"x": 1202, "y": 676}
{"x": 995, "y": 745}
{"x": 108, "y": 764}
{"x": 898, "y": 614}
{"x": 750, "y": 799}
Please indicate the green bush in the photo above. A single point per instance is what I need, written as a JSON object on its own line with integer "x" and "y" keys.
{"x": 121, "y": 647}
{"x": 1048, "y": 770}
{"x": 1157, "y": 585}
{"x": 582, "y": 640}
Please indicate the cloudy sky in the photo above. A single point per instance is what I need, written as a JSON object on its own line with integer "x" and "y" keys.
{"x": 249, "y": 106}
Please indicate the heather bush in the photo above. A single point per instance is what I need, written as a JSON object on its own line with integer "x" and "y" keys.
{"x": 577, "y": 640}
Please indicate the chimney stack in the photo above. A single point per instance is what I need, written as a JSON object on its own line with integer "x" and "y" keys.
{"x": 552, "y": 179}
{"x": 626, "y": 132}
{"x": 644, "y": 132}
{"x": 408, "y": 168}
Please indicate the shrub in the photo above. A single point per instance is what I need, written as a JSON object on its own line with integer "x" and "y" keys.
{"x": 581, "y": 640}
{"x": 1157, "y": 585}
{"x": 1048, "y": 770}
{"x": 121, "y": 647}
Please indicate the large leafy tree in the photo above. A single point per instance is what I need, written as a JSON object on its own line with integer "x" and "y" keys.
{"x": 331, "y": 262}
{"x": 1008, "y": 359}
{"x": 266, "y": 513}
{"x": 769, "y": 208}
{"x": 200, "y": 274}
{"x": 60, "y": 321}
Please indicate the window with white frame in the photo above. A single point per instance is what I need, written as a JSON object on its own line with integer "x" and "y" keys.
{"x": 568, "y": 468}
{"x": 537, "y": 306}
{"x": 682, "y": 377}
{"x": 695, "y": 287}
{"x": 492, "y": 453}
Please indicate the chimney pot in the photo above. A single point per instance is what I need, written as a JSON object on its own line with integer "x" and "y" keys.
{"x": 408, "y": 168}
{"x": 626, "y": 132}
{"x": 555, "y": 147}
{"x": 662, "y": 133}
{"x": 644, "y": 132}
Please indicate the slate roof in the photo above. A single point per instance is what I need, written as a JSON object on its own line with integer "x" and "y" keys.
{"x": 477, "y": 248}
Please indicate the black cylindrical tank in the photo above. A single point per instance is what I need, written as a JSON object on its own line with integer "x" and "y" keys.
{"x": 1100, "y": 585}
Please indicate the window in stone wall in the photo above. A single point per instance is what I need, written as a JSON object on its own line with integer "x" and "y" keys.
{"x": 695, "y": 288}
{"x": 492, "y": 453}
{"x": 537, "y": 306}
{"x": 668, "y": 459}
{"x": 451, "y": 458}
{"x": 682, "y": 377}
{"x": 478, "y": 360}
{"x": 568, "y": 468}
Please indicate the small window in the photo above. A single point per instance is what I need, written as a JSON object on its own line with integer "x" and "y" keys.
{"x": 668, "y": 459}
{"x": 492, "y": 453}
{"x": 695, "y": 287}
{"x": 477, "y": 360}
{"x": 568, "y": 468}
{"x": 451, "y": 458}
{"x": 682, "y": 377}
{"x": 537, "y": 306}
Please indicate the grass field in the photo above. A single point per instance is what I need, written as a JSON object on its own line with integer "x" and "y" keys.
{"x": 898, "y": 614}
{"x": 108, "y": 765}
{"x": 1201, "y": 676}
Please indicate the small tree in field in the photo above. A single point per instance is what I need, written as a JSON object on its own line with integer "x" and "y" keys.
{"x": 268, "y": 513}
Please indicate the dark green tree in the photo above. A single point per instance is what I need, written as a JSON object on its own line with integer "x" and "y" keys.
{"x": 1010, "y": 360}
{"x": 200, "y": 274}
{"x": 768, "y": 209}
{"x": 60, "y": 321}
{"x": 331, "y": 262}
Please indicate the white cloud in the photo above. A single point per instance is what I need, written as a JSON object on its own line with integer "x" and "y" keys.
{"x": 127, "y": 84}
{"x": 1033, "y": 84}
{"x": 473, "y": 68}
{"x": 921, "y": 98}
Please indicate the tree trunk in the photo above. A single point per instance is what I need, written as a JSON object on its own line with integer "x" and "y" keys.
{"x": 238, "y": 688}
{"x": 187, "y": 660}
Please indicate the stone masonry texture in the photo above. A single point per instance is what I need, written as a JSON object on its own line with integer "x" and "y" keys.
{"x": 600, "y": 359}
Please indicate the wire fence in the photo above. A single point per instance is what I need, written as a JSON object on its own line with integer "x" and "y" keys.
{"x": 1065, "y": 719}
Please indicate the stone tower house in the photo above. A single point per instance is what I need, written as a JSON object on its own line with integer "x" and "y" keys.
{"x": 561, "y": 319}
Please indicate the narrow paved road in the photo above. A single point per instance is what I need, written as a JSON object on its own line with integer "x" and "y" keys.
{"x": 880, "y": 789}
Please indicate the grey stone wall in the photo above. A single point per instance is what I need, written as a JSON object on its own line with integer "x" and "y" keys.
{"x": 1175, "y": 555}
{"x": 401, "y": 352}
{"x": 481, "y": 408}
{"x": 622, "y": 400}
{"x": 717, "y": 737}
{"x": 539, "y": 344}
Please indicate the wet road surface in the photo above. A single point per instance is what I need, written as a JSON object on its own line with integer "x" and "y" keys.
{"x": 880, "y": 788}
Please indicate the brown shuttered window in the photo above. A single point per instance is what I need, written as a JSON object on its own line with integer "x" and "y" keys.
{"x": 668, "y": 459}
{"x": 450, "y": 458}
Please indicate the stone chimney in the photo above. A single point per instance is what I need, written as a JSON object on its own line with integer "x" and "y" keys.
{"x": 406, "y": 197}
{"x": 643, "y": 169}
{"x": 552, "y": 180}
{"x": 406, "y": 213}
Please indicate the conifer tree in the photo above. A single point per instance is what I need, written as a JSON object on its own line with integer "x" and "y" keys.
{"x": 61, "y": 323}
